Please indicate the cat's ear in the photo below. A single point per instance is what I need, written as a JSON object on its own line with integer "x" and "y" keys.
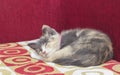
{"x": 33, "y": 45}
{"x": 47, "y": 30}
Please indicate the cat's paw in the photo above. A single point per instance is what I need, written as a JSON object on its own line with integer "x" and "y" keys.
{"x": 48, "y": 59}
{"x": 35, "y": 55}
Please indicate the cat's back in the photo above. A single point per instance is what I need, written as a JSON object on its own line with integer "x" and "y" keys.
{"x": 68, "y": 36}
{"x": 89, "y": 47}
{"x": 83, "y": 35}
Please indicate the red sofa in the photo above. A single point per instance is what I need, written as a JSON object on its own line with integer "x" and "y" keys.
{"x": 22, "y": 19}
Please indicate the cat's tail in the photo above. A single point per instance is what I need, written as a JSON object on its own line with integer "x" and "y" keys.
{"x": 63, "y": 61}
{"x": 69, "y": 62}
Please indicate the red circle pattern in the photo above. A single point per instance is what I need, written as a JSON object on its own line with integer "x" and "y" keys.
{"x": 33, "y": 69}
{"x": 21, "y": 60}
{"x": 12, "y": 52}
{"x": 14, "y": 55}
{"x": 8, "y": 45}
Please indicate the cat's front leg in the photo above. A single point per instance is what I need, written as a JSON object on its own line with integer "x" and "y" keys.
{"x": 34, "y": 54}
{"x": 64, "y": 52}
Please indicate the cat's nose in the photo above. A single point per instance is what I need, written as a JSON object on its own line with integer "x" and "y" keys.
{"x": 44, "y": 52}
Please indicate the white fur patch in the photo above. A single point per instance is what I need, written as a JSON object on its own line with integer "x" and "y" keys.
{"x": 33, "y": 54}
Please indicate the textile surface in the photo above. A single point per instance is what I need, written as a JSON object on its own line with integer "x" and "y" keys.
{"x": 15, "y": 60}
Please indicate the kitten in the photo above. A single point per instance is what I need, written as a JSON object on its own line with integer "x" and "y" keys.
{"x": 78, "y": 47}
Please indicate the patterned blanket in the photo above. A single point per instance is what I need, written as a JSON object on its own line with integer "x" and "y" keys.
{"x": 15, "y": 60}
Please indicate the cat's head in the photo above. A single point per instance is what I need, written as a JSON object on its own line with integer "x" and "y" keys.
{"x": 48, "y": 42}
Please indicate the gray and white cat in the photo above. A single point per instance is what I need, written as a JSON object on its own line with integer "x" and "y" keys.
{"x": 78, "y": 47}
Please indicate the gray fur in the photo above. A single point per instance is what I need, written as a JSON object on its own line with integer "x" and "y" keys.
{"x": 80, "y": 47}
